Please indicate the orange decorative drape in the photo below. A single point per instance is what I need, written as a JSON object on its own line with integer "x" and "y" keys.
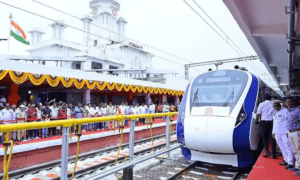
{"x": 38, "y": 79}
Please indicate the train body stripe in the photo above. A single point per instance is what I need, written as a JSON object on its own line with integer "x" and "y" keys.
{"x": 241, "y": 134}
{"x": 180, "y": 127}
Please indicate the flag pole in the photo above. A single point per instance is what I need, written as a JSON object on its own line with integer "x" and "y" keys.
{"x": 10, "y": 18}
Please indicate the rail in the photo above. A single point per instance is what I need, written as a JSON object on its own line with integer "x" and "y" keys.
{"x": 66, "y": 124}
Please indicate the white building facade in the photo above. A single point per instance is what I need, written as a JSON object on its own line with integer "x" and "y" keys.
{"x": 102, "y": 43}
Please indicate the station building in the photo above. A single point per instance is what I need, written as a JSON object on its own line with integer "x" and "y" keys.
{"x": 105, "y": 67}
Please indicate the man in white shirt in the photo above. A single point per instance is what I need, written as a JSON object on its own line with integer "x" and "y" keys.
{"x": 92, "y": 113}
{"x": 104, "y": 114}
{"x": 127, "y": 112}
{"x": 280, "y": 134}
{"x": 142, "y": 110}
{"x": 264, "y": 115}
{"x": 134, "y": 110}
{"x": 54, "y": 113}
{"x": 152, "y": 110}
{"x": 122, "y": 109}
{"x": 7, "y": 115}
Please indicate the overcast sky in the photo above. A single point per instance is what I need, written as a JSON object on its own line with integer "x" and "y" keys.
{"x": 169, "y": 25}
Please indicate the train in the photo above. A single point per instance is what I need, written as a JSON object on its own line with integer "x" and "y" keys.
{"x": 217, "y": 117}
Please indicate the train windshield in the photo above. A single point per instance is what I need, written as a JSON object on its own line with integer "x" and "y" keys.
{"x": 219, "y": 88}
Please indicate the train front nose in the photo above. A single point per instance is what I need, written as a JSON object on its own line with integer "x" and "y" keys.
{"x": 209, "y": 133}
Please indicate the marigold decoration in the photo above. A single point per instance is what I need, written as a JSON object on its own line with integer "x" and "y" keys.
{"x": 111, "y": 86}
{"x": 140, "y": 89}
{"x": 53, "y": 80}
{"x": 3, "y": 74}
{"x": 79, "y": 83}
{"x": 133, "y": 88}
{"x": 101, "y": 85}
{"x": 18, "y": 77}
{"x": 67, "y": 82}
{"x": 91, "y": 84}
{"x": 151, "y": 90}
{"x": 127, "y": 87}
{"x": 38, "y": 79}
{"x": 120, "y": 86}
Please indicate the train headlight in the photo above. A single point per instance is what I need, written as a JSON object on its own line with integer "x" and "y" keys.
{"x": 241, "y": 117}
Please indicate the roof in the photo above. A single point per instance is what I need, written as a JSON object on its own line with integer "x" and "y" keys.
{"x": 265, "y": 25}
{"x": 89, "y": 76}
{"x": 56, "y": 41}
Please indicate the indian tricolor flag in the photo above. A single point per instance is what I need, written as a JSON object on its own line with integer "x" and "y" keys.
{"x": 18, "y": 33}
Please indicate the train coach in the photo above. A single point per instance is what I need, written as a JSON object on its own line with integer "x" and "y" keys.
{"x": 216, "y": 121}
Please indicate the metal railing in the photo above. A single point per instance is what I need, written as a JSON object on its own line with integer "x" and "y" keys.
{"x": 66, "y": 124}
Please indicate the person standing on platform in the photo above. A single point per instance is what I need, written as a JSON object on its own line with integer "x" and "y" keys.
{"x": 265, "y": 117}
{"x": 142, "y": 110}
{"x": 280, "y": 134}
{"x": 46, "y": 114}
{"x": 122, "y": 109}
{"x": 293, "y": 126}
{"x": 104, "y": 114}
{"x": 92, "y": 113}
{"x": 99, "y": 114}
{"x": 85, "y": 114}
{"x": 152, "y": 110}
{"x": 160, "y": 109}
{"x": 39, "y": 119}
{"x": 31, "y": 114}
{"x": 134, "y": 110}
{"x": 127, "y": 112}
{"x": 78, "y": 113}
{"x": 63, "y": 113}
{"x": 7, "y": 115}
{"x": 111, "y": 112}
{"x": 14, "y": 133}
{"x": 54, "y": 113}
{"x": 21, "y": 117}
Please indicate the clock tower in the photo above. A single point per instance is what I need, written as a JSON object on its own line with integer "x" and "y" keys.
{"x": 105, "y": 13}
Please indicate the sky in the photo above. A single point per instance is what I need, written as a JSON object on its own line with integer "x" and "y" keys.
{"x": 168, "y": 25}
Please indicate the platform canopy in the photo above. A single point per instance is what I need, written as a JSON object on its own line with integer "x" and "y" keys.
{"x": 37, "y": 74}
{"x": 265, "y": 24}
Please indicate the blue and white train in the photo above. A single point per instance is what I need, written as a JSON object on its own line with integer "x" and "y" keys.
{"x": 216, "y": 121}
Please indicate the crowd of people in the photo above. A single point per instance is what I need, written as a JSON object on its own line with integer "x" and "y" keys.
{"x": 280, "y": 122}
{"x": 51, "y": 111}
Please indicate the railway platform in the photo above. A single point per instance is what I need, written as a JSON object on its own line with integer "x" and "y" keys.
{"x": 268, "y": 168}
{"x": 33, "y": 152}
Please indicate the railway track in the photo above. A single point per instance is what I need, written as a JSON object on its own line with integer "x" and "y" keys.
{"x": 91, "y": 162}
{"x": 183, "y": 169}
{"x": 198, "y": 170}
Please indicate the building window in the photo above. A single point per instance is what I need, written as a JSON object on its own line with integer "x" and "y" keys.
{"x": 78, "y": 66}
{"x": 95, "y": 42}
{"x": 96, "y": 65}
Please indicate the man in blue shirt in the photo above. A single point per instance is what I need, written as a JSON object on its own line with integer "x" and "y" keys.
{"x": 293, "y": 126}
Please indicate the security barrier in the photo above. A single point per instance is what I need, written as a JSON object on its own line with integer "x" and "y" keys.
{"x": 66, "y": 124}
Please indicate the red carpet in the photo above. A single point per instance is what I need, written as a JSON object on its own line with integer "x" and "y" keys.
{"x": 269, "y": 169}
{"x": 157, "y": 121}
